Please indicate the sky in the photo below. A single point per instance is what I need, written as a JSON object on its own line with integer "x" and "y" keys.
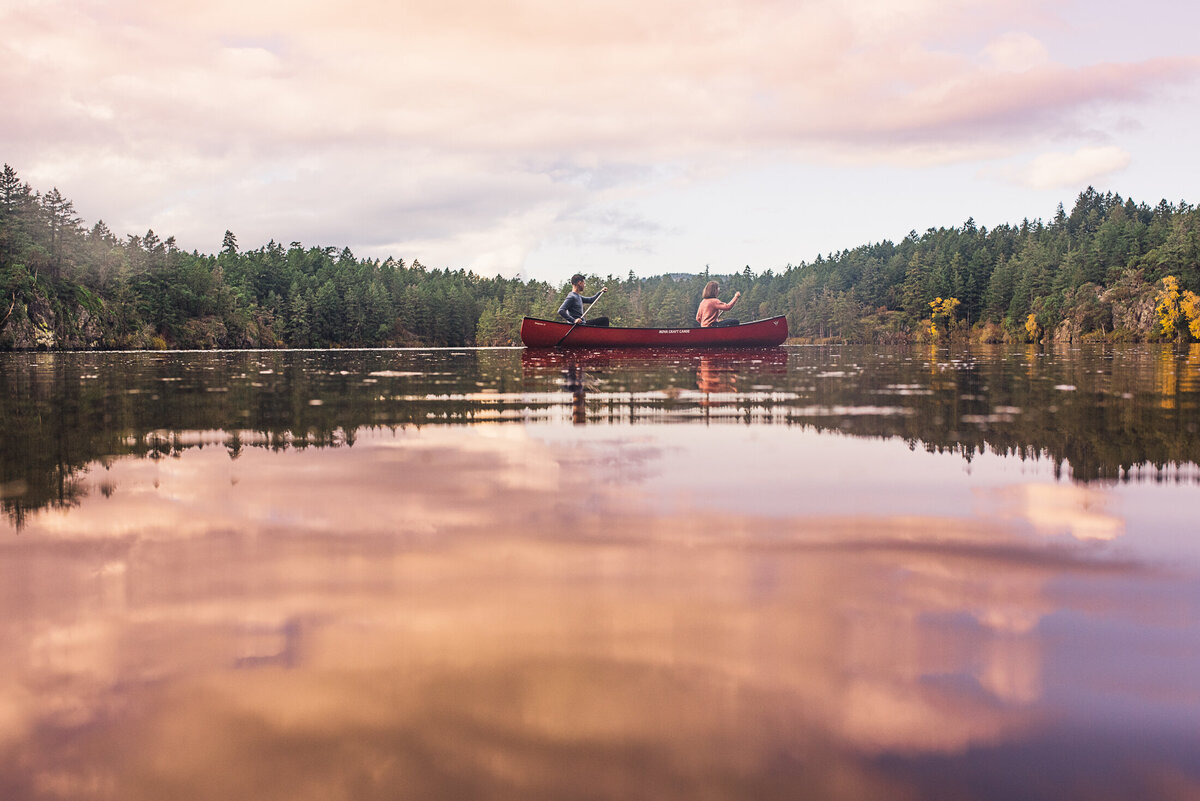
{"x": 538, "y": 138}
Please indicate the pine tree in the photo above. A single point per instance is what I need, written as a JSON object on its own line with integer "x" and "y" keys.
{"x": 63, "y": 224}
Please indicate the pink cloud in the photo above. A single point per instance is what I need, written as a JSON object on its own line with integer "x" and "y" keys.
{"x": 163, "y": 114}
{"x": 985, "y": 104}
{"x": 521, "y": 77}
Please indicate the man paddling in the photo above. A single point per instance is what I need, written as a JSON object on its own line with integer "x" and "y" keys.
{"x": 571, "y": 309}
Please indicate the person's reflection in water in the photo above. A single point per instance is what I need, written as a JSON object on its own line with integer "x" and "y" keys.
{"x": 715, "y": 376}
{"x": 574, "y": 381}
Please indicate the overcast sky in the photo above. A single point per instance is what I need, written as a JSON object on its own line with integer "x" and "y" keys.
{"x": 542, "y": 137}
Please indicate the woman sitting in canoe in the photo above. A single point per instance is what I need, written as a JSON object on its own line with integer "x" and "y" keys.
{"x": 571, "y": 309}
{"x": 711, "y": 307}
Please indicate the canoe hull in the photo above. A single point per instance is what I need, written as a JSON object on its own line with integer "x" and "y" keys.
{"x": 537, "y": 333}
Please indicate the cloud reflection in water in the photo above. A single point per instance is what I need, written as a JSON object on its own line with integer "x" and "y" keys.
{"x": 515, "y": 612}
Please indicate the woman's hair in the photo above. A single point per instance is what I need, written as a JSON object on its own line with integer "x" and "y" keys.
{"x": 711, "y": 289}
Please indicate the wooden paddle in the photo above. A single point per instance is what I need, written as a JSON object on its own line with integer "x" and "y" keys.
{"x": 585, "y": 311}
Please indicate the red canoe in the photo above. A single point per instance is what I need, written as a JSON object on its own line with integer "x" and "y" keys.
{"x": 537, "y": 333}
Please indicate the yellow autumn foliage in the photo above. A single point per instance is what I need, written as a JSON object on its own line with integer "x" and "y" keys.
{"x": 1190, "y": 303}
{"x": 941, "y": 307}
{"x": 1177, "y": 311}
{"x": 1032, "y": 328}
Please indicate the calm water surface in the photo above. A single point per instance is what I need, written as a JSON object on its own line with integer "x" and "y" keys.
{"x": 828, "y": 573}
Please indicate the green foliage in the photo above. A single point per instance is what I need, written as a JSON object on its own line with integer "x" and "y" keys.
{"x": 1089, "y": 271}
{"x": 1092, "y": 272}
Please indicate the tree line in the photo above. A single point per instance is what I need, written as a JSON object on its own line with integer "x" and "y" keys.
{"x": 1111, "y": 269}
{"x": 1103, "y": 271}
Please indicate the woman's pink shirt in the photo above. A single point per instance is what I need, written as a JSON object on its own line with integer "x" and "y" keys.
{"x": 710, "y": 309}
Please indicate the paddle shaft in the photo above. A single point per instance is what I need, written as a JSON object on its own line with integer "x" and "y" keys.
{"x": 585, "y": 311}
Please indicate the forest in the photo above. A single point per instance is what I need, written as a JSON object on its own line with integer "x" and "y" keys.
{"x": 1110, "y": 269}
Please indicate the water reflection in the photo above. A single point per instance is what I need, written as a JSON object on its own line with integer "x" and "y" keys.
{"x": 821, "y": 573}
{"x": 715, "y": 376}
{"x": 411, "y": 616}
{"x": 1100, "y": 414}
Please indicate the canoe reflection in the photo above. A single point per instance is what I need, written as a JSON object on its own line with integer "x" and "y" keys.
{"x": 654, "y": 361}
{"x": 648, "y": 377}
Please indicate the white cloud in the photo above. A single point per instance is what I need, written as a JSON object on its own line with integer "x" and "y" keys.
{"x": 1057, "y": 509}
{"x": 1075, "y": 170}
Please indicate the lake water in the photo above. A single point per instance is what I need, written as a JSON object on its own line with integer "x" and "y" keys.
{"x": 806, "y": 572}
